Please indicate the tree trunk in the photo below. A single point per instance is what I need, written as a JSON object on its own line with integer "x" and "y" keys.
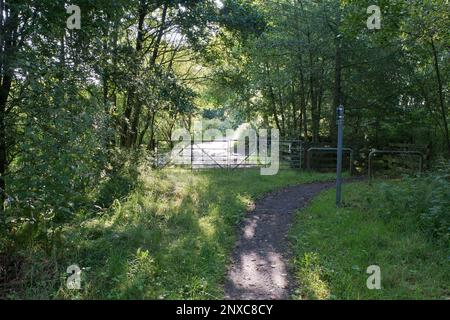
{"x": 303, "y": 97}
{"x": 275, "y": 111}
{"x": 282, "y": 109}
{"x": 8, "y": 46}
{"x": 138, "y": 108}
{"x": 5, "y": 88}
{"x": 294, "y": 122}
{"x": 337, "y": 96}
{"x": 314, "y": 103}
{"x": 305, "y": 121}
{"x": 149, "y": 121}
{"x": 441, "y": 96}
{"x": 152, "y": 144}
{"x": 129, "y": 132}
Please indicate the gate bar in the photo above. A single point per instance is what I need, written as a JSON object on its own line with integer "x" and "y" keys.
{"x": 330, "y": 150}
{"x": 412, "y": 153}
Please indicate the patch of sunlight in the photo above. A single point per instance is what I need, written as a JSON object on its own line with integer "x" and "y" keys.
{"x": 108, "y": 223}
{"x": 310, "y": 276}
{"x": 207, "y": 227}
{"x": 185, "y": 197}
{"x": 140, "y": 272}
{"x": 213, "y": 211}
{"x": 162, "y": 208}
{"x": 91, "y": 224}
{"x": 245, "y": 200}
{"x": 141, "y": 264}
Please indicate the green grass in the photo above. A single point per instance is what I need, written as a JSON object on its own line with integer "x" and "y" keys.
{"x": 334, "y": 247}
{"x": 170, "y": 239}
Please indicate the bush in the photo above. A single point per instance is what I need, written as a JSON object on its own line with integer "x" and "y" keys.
{"x": 45, "y": 203}
{"x": 424, "y": 199}
{"x": 436, "y": 219}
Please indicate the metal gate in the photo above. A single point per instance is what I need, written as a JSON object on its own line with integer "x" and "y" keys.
{"x": 226, "y": 154}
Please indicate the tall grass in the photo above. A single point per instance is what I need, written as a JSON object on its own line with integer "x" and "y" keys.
{"x": 171, "y": 238}
{"x": 401, "y": 226}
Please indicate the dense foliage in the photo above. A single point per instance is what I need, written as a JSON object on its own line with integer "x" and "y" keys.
{"x": 75, "y": 102}
{"x": 426, "y": 200}
{"x": 81, "y": 111}
{"x": 314, "y": 55}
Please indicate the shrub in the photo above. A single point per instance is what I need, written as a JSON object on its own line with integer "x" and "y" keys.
{"x": 425, "y": 199}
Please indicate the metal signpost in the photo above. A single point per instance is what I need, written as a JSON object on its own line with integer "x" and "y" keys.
{"x": 340, "y": 148}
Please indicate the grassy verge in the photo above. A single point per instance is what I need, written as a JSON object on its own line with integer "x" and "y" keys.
{"x": 170, "y": 239}
{"x": 334, "y": 247}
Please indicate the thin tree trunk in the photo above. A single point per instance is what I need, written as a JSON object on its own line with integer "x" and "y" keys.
{"x": 273, "y": 102}
{"x": 160, "y": 35}
{"x": 148, "y": 122}
{"x": 152, "y": 144}
{"x": 305, "y": 121}
{"x": 441, "y": 96}
{"x": 314, "y": 104}
{"x": 274, "y": 110}
{"x": 138, "y": 107}
{"x": 303, "y": 126}
{"x": 105, "y": 77}
{"x": 337, "y": 96}
{"x": 4, "y": 93}
{"x": 282, "y": 108}
{"x": 127, "y": 127}
{"x": 8, "y": 45}
{"x": 294, "y": 111}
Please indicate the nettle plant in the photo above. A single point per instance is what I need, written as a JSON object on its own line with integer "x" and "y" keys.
{"x": 423, "y": 199}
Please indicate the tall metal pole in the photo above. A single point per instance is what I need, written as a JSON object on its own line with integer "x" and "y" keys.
{"x": 340, "y": 124}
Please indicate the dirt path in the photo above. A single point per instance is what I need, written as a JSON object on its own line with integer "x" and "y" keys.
{"x": 260, "y": 262}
